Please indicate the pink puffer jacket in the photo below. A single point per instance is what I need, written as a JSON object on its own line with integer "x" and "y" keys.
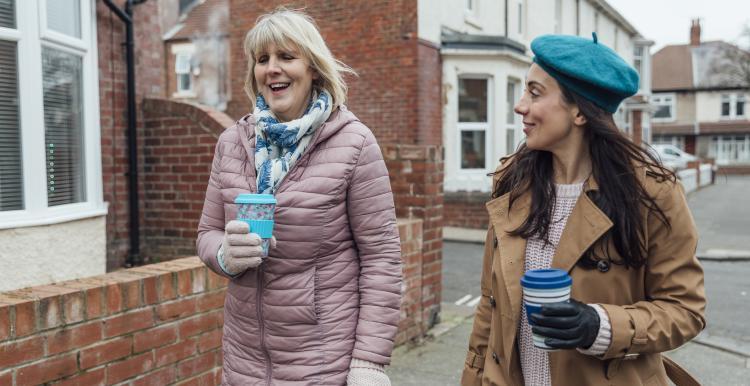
{"x": 331, "y": 288}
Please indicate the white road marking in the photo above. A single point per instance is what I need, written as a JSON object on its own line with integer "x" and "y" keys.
{"x": 463, "y": 300}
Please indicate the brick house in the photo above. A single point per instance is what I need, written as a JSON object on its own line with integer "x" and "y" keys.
{"x": 701, "y": 102}
{"x": 197, "y": 52}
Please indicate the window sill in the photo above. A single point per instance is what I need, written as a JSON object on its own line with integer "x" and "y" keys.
{"x": 470, "y": 19}
{"x": 23, "y": 219}
{"x": 184, "y": 94}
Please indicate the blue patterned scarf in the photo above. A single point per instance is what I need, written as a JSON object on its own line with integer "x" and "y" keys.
{"x": 279, "y": 145}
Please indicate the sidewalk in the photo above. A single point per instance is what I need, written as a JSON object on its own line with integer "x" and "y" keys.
{"x": 439, "y": 360}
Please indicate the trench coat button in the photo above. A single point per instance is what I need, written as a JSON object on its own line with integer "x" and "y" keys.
{"x": 602, "y": 266}
{"x": 496, "y": 358}
{"x": 495, "y": 242}
{"x": 492, "y": 301}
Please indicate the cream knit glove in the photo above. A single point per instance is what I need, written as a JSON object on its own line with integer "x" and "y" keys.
{"x": 365, "y": 373}
{"x": 240, "y": 249}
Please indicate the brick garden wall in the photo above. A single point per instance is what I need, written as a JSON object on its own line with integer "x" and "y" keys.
{"x": 179, "y": 140}
{"x": 417, "y": 181}
{"x": 466, "y": 210}
{"x": 152, "y": 325}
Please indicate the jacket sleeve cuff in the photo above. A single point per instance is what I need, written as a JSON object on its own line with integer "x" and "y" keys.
{"x": 628, "y": 335}
{"x": 363, "y": 364}
{"x": 604, "y": 337}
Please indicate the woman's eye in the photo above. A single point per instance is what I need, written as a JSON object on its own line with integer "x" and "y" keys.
{"x": 287, "y": 57}
{"x": 263, "y": 59}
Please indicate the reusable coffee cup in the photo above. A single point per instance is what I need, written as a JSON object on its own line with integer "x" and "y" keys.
{"x": 257, "y": 211}
{"x": 544, "y": 286}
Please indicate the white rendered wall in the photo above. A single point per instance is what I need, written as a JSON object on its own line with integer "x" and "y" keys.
{"x": 488, "y": 19}
{"x": 708, "y": 106}
{"x": 40, "y": 255}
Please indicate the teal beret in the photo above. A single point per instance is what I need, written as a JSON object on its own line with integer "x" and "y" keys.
{"x": 586, "y": 67}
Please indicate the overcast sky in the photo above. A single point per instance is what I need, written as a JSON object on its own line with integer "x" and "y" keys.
{"x": 668, "y": 21}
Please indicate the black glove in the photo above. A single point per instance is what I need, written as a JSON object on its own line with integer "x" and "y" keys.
{"x": 567, "y": 325}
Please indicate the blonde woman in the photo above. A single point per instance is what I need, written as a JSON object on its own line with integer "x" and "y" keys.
{"x": 323, "y": 306}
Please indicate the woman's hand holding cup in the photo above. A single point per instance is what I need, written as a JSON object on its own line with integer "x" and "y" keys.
{"x": 566, "y": 325}
{"x": 242, "y": 249}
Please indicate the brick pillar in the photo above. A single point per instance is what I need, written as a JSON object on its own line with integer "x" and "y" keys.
{"x": 417, "y": 181}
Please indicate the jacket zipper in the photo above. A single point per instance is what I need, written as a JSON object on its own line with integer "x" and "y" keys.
{"x": 261, "y": 324}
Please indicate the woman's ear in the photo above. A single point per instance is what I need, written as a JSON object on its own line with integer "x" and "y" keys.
{"x": 578, "y": 118}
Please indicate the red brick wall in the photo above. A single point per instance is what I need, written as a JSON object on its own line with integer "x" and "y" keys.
{"x": 179, "y": 141}
{"x": 416, "y": 173}
{"x": 113, "y": 109}
{"x": 411, "y": 324}
{"x": 466, "y": 210}
{"x": 152, "y": 325}
{"x": 378, "y": 38}
{"x": 429, "y": 101}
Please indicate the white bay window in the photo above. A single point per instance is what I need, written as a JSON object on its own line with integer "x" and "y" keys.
{"x": 50, "y": 161}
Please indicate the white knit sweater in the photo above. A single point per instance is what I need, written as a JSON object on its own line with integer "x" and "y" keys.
{"x": 535, "y": 361}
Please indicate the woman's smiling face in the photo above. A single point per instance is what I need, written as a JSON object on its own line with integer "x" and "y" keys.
{"x": 547, "y": 119}
{"x": 284, "y": 78}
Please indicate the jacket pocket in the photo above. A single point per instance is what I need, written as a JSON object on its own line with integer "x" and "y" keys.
{"x": 289, "y": 298}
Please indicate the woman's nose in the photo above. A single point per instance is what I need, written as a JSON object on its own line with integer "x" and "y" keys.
{"x": 273, "y": 66}
{"x": 521, "y": 107}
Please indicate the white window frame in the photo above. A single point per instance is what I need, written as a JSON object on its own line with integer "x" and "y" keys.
{"x": 177, "y": 50}
{"x": 31, "y": 34}
{"x": 475, "y": 126}
{"x": 732, "y": 99}
{"x": 516, "y": 120}
{"x": 656, "y": 99}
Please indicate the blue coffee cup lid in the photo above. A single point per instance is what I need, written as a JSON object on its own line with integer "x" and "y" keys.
{"x": 252, "y": 198}
{"x": 546, "y": 278}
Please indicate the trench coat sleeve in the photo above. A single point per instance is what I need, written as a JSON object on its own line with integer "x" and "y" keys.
{"x": 211, "y": 225}
{"x": 474, "y": 364}
{"x": 674, "y": 310}
{"x": 372, "y": 219}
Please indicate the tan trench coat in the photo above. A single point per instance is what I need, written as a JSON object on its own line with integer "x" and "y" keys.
{"x": 653, "y": 309}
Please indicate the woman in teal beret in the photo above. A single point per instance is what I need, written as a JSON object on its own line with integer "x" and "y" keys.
{"x": 580, "y": 196}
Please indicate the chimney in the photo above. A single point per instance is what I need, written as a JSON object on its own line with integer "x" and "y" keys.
{"x": 695, "y": 32}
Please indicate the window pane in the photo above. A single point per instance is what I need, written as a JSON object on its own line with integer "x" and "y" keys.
{"x": 63, "y": 123}
{"x": 725, "y": 109}
{"x": 7, "y": 14}
{"x": 740, "y": 111}
{"x": 510, "y": 141}
{"x": 64, "y": 16}
{"x": 182, "y": 63}
{"x": 472, "y": 149}
{"x": 663, "y": 111}
{"x": 11, "y": 171}
{"x": 183, "y": 82}
{"x": 472, "y": 100}
{"x": 510, "y": 98}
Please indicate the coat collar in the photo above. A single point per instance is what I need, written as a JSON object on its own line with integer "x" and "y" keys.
{"x": 586, "y": 224}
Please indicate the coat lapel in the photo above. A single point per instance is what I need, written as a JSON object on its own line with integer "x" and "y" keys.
{"x": 586, "y": 224}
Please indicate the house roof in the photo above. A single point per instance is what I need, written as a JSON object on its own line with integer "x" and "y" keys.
{"x": 706, "y": 66}
{"x": 209, "y": 18}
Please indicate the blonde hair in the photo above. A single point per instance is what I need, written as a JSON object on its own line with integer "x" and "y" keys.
{"x": 291, "y": 29}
